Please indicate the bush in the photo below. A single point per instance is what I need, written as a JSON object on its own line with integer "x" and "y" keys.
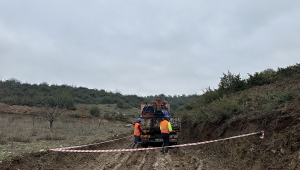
{"x": 188, "y": 106}
{"x": 231, "y": 83}
{"x": 121, "y": 117}
{"x": 221, "y": 117}
{"x": 95, "y": 111}
{"x": 285, "y": 97}
{"x": 258, "y": 79}
{"x": 107, "y": 116}
{"x": 276, "y": 99}
{"x": 184, "y": 117}
{"x": 123, "y": 105}
{"x": 209, "y": 96}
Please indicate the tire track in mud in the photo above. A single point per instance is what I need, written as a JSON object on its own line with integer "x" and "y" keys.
{"x": 149, "y": 160}
{"x": 183, "y": 160}
{"x": 113, "y": 160}
{"x": 176, "y": 159}
{"x": 105, "y": 161}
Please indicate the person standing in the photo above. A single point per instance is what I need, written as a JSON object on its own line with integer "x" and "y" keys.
{"x": 137, "y": 132}
{"x": 165, "y": 129}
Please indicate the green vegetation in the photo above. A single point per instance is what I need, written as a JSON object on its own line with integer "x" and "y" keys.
{"x": 13, "y": 92}
{"x": 237, "y": 97}
{"x": 216, "y": 105}
{"x": 95, "y": 111}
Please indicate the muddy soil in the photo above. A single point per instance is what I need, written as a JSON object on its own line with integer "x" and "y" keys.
{"x": 176, "y": 158}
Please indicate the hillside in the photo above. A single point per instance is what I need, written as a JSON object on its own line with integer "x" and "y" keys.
{"x": 280, "y": 149}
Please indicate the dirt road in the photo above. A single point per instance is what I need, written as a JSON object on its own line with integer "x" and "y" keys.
{"x": 150, "y": 159}
{"x": 176, "y": 158}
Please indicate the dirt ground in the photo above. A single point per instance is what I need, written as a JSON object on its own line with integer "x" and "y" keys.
{"x": 176, "y": 158}
{"x": 280, "y": 149}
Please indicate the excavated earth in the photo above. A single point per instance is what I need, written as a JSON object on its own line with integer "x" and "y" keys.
{"x": 176, "y": 158}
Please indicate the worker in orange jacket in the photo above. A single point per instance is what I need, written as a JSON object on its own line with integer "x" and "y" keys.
{"x": 165, "y": 129}
{"x": 137, "y": 132}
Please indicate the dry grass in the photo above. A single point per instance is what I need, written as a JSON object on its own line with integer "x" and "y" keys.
{"x": 20, "y": 134}
{"x": 110, "y": 108}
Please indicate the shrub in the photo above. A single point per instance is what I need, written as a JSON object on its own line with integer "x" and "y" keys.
{"x": 221, "y": 116}
{"x": 276, "y": 99}
{"x": 95, "y": 111}
{"x": 121, "y": 117}
{"x": 285, "y": 97}
{"x": 184, "y": 117}
{"x": 231, "y": 83}
{"x": 188, "y": 106}
{"x": 258, "y": 79}
{"x": 107, "y": 116}
{"x": 209, "y": 96}
{"x": 123, "y": 105}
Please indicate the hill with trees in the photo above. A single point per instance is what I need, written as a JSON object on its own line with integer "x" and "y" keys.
{"x": 14, "y": 92}
{"x": 267, "y": 101}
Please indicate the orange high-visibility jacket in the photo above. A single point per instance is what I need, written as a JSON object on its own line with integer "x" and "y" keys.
{"x": 165, "y": 127}
{"x": 137, "y": 129}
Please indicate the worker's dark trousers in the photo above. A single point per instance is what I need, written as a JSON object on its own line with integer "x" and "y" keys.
{"x": 166, "y": 138}
{"x": 137, "y": 139}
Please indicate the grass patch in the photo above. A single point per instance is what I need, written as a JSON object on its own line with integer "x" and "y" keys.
{"x": 2, "y": 155}
{"x": 51, "y": 137}
{"x": 110, "y": 108}
{"x": 19, "y": 139}
{"x": 21, "y": 135}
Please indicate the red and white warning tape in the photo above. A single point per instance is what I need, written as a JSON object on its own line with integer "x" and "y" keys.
{"x": 211, "y": 141}
{"x": 71, "y": 149}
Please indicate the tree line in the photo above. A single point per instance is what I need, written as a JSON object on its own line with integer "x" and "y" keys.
{"x": 14, "y": 92}
{"x": 231, "y": 83}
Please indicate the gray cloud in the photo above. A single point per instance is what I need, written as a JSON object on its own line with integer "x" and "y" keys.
{"x": 145, "y": 47}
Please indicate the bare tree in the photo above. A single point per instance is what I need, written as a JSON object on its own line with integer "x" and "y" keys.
{"x": 52, "y": 107}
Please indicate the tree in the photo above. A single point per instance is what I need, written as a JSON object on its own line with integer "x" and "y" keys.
{"x": 209, "y": 95}
{"x": 231, "y": 83}
{"x": 54, "y": 106}
{"x": 267, "y": 76}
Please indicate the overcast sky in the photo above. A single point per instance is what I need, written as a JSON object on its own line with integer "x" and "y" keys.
{"x": 145, "y": 47}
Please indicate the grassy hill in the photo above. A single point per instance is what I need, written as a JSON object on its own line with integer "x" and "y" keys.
{"x": 273, "y": 108}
